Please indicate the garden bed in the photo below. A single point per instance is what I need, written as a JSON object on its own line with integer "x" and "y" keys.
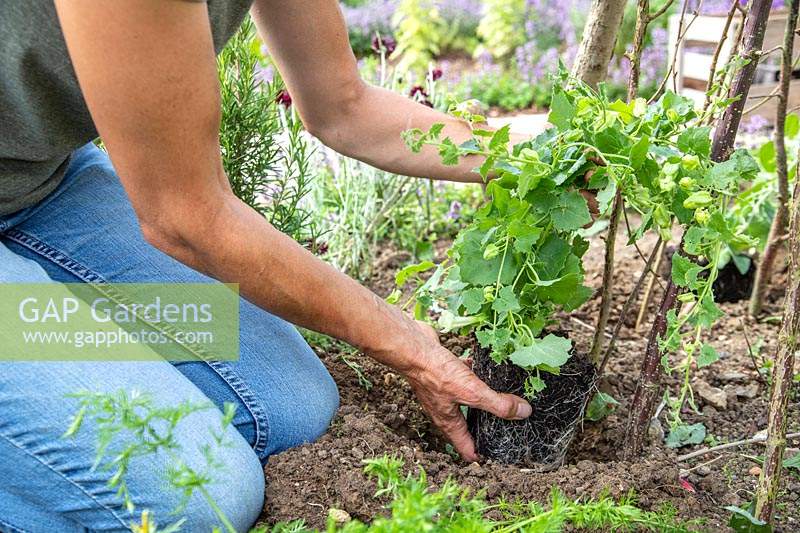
{"x": 386, "y": 419}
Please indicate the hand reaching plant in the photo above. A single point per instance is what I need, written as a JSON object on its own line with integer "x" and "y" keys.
{"x": 443, "y": 383}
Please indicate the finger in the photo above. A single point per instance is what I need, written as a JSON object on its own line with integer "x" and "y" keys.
{"x": 455, "y": 429}
{"x": 504, "y": 405}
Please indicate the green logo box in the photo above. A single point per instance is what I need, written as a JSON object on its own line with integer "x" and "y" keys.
{"x": 119, "y": 322}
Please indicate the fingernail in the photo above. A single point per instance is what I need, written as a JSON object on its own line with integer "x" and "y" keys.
{"x": 524, "y": 410}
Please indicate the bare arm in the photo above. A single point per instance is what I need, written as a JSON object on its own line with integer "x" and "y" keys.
{"x": 309, "y": 43}
{"x": 147, "y": 72}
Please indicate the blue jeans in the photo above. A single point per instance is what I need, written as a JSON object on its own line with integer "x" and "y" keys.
{"x": 86, "y": 231}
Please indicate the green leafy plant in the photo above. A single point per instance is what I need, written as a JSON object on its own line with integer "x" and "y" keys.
{"x": 754, "y": 207}
{"x": 600, "y": 406}
{"x": 501, "y": 27}
{"x": 419, "y": 32}
{"x": 506, "y": 90}
{"x": 129, "y": 425}
{"x": 520, "y": 260}
{"x": 265, "y": 152}
{"x": 414, "y": 506}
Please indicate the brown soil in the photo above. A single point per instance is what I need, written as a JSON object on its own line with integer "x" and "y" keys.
{"x": 306, "y": 482}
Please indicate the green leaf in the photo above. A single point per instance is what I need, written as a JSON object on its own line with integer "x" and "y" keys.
{"x": 684, "y": 435}
{"x": 500, "y": 138}
{"x": 742, "y": 263}
{"x": 740, "y": 167}
{"x": 601, "y": 406}
{"x": 561, "y": 110}
{"x": 529, "y": 179}
{"x": 708, "y": 312}
{"x": 578, "y": 297}
{"x": 708, "y": 355}
{"x": 506, "y": 300}
{"x": 551, "y": 351}
{"x": 680, "y": 267}
{"x": 792, "y": 462}
{"x": 449, "y": 152}
{"x": 472, "y": 300}
{"x": 792, "y": 126}
{"x": 693, "y": 240}
{"x": 695, "y": 140}
{"x": 570, "y": 212}
{"x": 497, "y": 337}
{"x": 743, "y": 521}
{"x": 476, "y": 270}
{"x": 606, "y": 196}
{"x": 402, "y": 276}
{"x": 561, "y": 290}
{"x": 552, "y": 256}
{"x": 525, "y": 236}
{"x": 534, "y": 385}
{"x": 766, "y": 156}
{"x": 638, "y": 152}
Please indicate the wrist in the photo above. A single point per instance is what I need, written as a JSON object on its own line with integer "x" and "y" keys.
{"x": 400, "y": 342}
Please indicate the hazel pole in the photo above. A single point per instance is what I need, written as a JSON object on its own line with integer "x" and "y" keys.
{"x": 650, "y": 384}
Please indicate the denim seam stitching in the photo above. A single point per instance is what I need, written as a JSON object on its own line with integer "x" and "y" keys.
{"x": 250, "y": 402}
{"x": 65, "y": 477}
{"x": 234, "y": 382}
{"x": 12, "y": 529}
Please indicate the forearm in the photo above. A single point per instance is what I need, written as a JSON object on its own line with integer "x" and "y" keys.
{"x": 370, "y": 128}
{"x": 274, "y": 272}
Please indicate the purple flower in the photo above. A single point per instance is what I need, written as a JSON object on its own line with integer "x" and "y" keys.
{"x": 375, "y": 16}
{"x": 721, "y": 7}
{"x": 284, "y": 98}
{"x": 417, "y": 91}
{"x": 419, "y": 94}
{"x": 384, "y": 45}
{"x": 265, "y": 73}
{"x": 464, "y": 13}
{"x": 455, "y": 210}
{"x": 754, "y": 124}
{"x": 550, "y": 34}
{"x": 436, "y": 74}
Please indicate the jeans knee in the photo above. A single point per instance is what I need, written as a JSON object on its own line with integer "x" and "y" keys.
{"x": 304, "y": 416}
{"x": 325, "y": 404}
{"x": 237, "y": 490}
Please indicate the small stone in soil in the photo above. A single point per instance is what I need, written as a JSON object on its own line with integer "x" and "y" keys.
{"x": 475, "y": 470}
{"x": 732, "y": 376}
{"x": 747, "y": 391}
{"x": 703, "y": 471}
{"x": 713, "y": 396}
{"x": 655, "y": 431}
{"x": 339, "y": 516}
{"x": 755, "y": 471}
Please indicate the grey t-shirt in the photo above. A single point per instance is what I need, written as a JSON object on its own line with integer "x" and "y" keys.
{"x": 43, "y": 116}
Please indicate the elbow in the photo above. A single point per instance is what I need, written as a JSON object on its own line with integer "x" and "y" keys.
{"x": 176, "y": 230}
{"x": 334, "y": 121}
{"x": 168, "y": 236}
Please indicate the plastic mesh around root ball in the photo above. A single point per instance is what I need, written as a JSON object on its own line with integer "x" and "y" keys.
{"x": 541, "y": 441}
